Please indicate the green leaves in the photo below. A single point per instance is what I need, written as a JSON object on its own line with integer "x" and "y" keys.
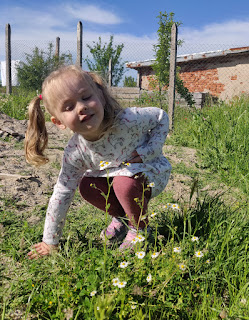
{"x": 38, "y": 65}
{"x": 101, "y": 54}
{"x": 162, "y": 49}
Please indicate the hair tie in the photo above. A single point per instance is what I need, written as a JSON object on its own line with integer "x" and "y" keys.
{"x": 40, "y": 96}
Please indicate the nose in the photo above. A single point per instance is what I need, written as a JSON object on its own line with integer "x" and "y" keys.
{"x": 81, "y": 107}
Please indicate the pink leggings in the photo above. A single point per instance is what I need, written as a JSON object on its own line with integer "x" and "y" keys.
{"x": 121, "y": 199}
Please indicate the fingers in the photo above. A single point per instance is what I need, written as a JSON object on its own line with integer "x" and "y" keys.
{"x": 38, "y": 250}
{"x": 135, "y": 158}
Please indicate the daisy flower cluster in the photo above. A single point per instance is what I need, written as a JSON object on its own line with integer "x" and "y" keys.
{"x": 117, "y": 283}
{"x": 197, "y": 254}
{"x": 172, "y": 206}
{"x": 104, "y": 164}
{"x": 138, "y": 238}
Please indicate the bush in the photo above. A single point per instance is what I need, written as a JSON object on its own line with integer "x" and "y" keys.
{"x": 39, "y": 64}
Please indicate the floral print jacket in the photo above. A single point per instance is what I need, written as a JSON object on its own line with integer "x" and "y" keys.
{"x": 140, "y": 129}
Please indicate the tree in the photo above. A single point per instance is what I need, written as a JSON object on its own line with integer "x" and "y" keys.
{"x": 162, "y": 49}
{"x": 101, "y": 54}
{"x": 39, "y": 64}
{"x": 129, "y": 81}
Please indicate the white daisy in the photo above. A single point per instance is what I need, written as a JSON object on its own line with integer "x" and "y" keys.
{"x": 149, "y": 278}
{"x": 199, "y": 254}
{"x": 177, "y": 249}
{"x": 134, "y": 240}
{"x": 140, "y": 238}
{"x": 140, "y": 254}
{"x": 123, "y": 264}
{"x": 104, "y": 164}
{"x": 182, "y": 266}
{"x": 155, "y": 255}
{"x": 115, "y": 281}
{"x": 122, "y": 284}
{"x": 93, "y": 293}
{"x": 133, "y": 306}
{"x": 193, "y": 239}
{"x": 151, "y": 185}
{"x": 175, "y": 206}
{"x": 153, "y": 214}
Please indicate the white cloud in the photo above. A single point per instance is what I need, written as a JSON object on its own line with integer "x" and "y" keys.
{"x": 215, "y": 36}
{"x": 93, "y": 14}
{"x": 38, "y": 27}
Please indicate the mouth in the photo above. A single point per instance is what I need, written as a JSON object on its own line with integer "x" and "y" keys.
{"x": 87, "y": 117}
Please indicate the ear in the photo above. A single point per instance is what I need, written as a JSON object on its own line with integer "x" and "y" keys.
{"x": 58, "y": 123}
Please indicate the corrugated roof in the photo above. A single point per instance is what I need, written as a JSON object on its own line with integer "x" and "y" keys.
{"x": 190, "y": 57}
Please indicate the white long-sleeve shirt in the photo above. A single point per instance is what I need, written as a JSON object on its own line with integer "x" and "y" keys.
{"x": 136, "y": 129}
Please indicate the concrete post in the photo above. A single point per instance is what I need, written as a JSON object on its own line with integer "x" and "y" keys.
{"x": 172, "y": 76}
{"x": 110, "y": 73}
{"x": 79, "y": 44}
{"x": 57, "y": 47}
{"x": 8, "y": 58}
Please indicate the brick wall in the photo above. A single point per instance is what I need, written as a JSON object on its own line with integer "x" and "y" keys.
{"x": 223, "y": 77}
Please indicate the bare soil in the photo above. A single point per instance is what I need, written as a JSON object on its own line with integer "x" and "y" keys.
{"x": 29, "y": 187}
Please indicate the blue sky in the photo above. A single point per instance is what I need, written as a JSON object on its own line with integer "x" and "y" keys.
{"x": 206, "y": 25}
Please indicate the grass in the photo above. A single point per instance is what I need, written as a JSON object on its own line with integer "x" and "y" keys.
{"x": 183, "y": 286}
{"x": 15, "y": 105}
{"x": 205, "y": 277}
{"x": 220, "y": 134}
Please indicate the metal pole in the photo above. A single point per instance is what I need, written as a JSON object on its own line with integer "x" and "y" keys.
{"x": 172, "y": 75}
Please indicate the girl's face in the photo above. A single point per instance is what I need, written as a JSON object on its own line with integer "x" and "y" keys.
{"x": 79, "y": 107}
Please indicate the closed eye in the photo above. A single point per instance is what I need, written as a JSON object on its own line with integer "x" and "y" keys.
{"x": 86, "y": 98}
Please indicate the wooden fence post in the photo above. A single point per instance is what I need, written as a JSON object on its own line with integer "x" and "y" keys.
{"x": 57, "y": 47}
{"x": 79, "y": 44}
{"x": 8, "y": 58}
{"x": 110, "y": 73}
{"x": 172, "y": 75}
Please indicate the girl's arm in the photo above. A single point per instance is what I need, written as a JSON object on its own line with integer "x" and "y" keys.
{"x": 71, "y": 172}
{"x": 155, "y": 123}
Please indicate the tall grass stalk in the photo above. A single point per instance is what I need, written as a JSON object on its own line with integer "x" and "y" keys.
{"x": 220, "y": 133}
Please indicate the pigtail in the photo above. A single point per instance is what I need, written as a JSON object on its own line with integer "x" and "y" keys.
{"x": 36, "y": 137}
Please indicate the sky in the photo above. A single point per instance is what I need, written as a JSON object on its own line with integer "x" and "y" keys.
{"x": 206, "y": 25}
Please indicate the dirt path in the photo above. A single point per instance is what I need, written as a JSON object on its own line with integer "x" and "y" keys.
{"x": 29, "y": 187}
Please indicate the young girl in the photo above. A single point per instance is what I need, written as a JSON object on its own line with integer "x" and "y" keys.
{"x": 124, "y": 145}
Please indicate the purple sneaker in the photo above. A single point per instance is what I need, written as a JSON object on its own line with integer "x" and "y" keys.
{"x": 134, "y": 237}
{"x": 115, "y": 232}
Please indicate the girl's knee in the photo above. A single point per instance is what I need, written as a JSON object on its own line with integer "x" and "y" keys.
{"x": 128, "y": 186}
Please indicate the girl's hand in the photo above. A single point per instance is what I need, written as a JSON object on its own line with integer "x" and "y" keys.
{"x": 135, "y": 158}
{"x": 41, "y": 249}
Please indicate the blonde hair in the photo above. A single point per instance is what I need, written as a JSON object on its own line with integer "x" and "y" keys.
{"x": 36, "y": 138}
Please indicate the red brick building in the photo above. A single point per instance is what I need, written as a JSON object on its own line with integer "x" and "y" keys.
{"x": 223, "y": 73}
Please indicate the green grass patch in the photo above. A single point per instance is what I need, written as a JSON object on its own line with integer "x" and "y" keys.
{"x": 220, "y": 134}
{"x": 78, "y": 280}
